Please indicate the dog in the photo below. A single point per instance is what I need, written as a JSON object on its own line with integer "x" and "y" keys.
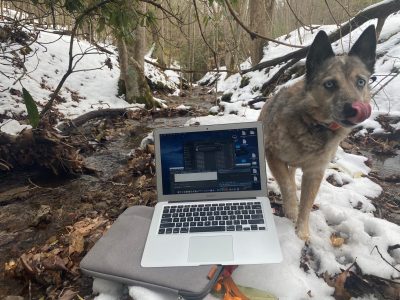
{"x": 304, "y": 123}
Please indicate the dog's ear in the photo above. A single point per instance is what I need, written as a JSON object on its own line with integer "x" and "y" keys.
{"x": 319, "y": 51}
{"x": 365, "y": 48}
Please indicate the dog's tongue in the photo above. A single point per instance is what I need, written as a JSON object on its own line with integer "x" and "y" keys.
{"x": 363, "y": 112}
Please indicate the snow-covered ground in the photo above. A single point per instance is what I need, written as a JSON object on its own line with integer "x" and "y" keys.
{"x": 386, "y": 100}
{"x": 94, "y": 86}
{"x": 346, "y": 211}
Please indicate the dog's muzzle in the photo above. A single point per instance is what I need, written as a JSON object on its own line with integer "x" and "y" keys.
{"x": 362, "y": 112}
{"x": 355, "y": 113}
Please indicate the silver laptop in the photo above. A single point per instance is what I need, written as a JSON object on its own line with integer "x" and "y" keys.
{"x": 212, "y": 209}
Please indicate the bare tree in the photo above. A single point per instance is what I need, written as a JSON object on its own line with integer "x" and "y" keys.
{"x": 260, "y": 13}
{"x": 131, "y": 49}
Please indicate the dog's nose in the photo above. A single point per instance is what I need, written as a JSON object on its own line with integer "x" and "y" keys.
{"x": 349, "y": 111}
{"x": 357, "y": 111}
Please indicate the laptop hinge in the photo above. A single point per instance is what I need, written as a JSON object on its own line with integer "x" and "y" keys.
{"x": 207, "y": 200}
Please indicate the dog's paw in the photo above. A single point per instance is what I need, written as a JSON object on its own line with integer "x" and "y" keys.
{"x": 291, "y": 213}
{"x": 303, "y": 233}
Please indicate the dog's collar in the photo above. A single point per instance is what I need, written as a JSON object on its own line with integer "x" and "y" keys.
{"x": 314, "y": 125}
{"x": 334, "y": 126}
{"x": 324, "y": 126}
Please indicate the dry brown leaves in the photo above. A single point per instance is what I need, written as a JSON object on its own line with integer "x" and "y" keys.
{"x": 353, "y": 283}
{"x": 336, "y": 240}
{"x": 56, "y": 264}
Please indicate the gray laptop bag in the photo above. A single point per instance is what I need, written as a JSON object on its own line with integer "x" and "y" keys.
{"x": 117, "y": 255}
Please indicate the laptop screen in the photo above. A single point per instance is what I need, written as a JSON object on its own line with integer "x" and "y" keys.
{"x": 210, "y": 161}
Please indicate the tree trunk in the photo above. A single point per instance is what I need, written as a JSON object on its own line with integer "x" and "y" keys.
{"x": 260, "y": 12}
{"x": 123, "y": 65}
{"x": 131, "y": 56}
{"x": 158, "y": 52}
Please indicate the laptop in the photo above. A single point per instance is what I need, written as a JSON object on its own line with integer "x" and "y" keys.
{"x": 212, "y": 209}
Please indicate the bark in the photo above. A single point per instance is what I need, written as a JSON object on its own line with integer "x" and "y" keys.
{"x": 379, "y": 26}
{"x": 260, "y": 12}
{"x": 232, "y": 42}
{"x": 381, "y": 10}
{"x": 123, "y": 65}
{"x": 158, "y": 52}
{"x": 68, "y": 126}
{"x": 132, "y": 67}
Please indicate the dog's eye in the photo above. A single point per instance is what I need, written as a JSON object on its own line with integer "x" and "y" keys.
{"x": 361, "y": 82}
{"x": 330, "y": 84}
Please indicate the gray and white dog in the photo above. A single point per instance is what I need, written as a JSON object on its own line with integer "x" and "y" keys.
{"x": 304, "y": 123}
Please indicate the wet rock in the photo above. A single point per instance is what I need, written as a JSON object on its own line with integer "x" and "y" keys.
{"x": 43, "y": 216}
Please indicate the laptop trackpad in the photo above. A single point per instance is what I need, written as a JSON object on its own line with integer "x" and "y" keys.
{"x": 210, "y": 248}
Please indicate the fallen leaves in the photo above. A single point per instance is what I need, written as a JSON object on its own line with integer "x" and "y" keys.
{"x": 56, "y": 264}
{"x": 353, "y": 283}
{"x": 336, "y": 240}
{"x": 80, "y": 230}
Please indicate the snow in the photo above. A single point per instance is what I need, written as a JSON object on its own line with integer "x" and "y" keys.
{"x": 83, "y": 91}
{"x": 12, "y": 127}
{"x": 345, "y": 210}
{"x": 386, "y": 100}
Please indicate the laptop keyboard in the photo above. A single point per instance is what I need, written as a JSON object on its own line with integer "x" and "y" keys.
{"x": 212, "y": 217}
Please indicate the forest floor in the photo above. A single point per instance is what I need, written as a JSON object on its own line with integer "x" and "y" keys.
{"x": 47, "y": 223}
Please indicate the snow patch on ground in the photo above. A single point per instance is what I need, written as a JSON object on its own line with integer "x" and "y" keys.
{"x": 12, "y": 127}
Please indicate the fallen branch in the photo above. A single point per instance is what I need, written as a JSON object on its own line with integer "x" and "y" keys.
{"x": 68, "y": 126}
{"x": 382, "y": 10}
{"x": 384, "y": 259}
{"x": 185, "y": 70}
{"x": 271, "y": 83}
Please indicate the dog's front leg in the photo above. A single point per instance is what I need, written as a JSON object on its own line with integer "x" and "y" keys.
{"x": 310, "y": 183}
{"x": 285, "y": 176}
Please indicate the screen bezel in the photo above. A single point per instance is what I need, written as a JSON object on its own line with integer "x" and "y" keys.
{"x": 217, "y": 195}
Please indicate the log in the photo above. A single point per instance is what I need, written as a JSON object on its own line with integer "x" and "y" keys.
{"x": 68, "y": 126}
{"x": 380, "y": 10}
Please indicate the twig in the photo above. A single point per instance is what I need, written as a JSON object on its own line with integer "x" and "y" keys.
{"x": 377, "y": 249}
{"x": 336, "y": 22}
{"x": 393, "y": 247}
{"x": 253, "y": 34}
{"x": 298, "y": 19}
{"x": 386, "y": 83}
{"x": 70, "y": 53}
{"x": 167, "y": 12}
{"x": 37, "y": 186}
{"x": 208, "y": 45}
{"x": 274, "y": 79}
{"x": 204, "y": 38}
{"x": 117, "y": 183}
{"x": 183, "y": 70}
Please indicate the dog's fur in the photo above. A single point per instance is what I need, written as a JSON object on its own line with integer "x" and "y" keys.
{"x": 304, "y": 123}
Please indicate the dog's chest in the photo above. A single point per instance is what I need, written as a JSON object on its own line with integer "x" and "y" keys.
{"x": 297, "y": 144}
